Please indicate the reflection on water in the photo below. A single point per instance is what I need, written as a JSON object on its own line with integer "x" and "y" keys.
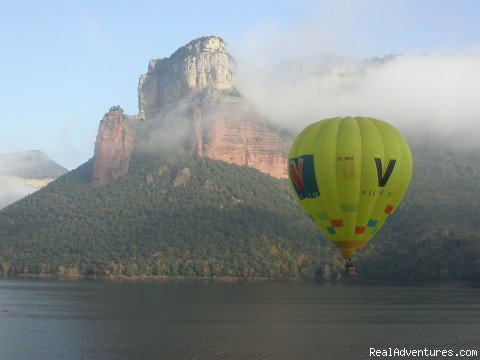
{"x": 145, "y": 320}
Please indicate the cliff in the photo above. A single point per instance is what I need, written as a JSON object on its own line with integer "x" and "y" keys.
{"x": 199, "y": 79}
{"x": 202, "y": 63}
{"x": 113, "y": 147}
{"x": 234, "y": 132}
{"x": 190, "y": 100}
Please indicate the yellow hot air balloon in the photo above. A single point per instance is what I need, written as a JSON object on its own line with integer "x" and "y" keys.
{"x": 350, "y": 174}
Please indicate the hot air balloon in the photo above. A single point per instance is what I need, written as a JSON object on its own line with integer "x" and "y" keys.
{"x": 349, "y": 175}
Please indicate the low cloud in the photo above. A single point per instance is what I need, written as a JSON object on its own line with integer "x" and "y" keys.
{"x": 321, "y": 65}
{"x": 436, "y": 93}
{"x": 12, "y": 189}
{"x": 171, "y": 128}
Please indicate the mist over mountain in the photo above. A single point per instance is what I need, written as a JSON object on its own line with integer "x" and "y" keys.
{"x": 24, "y": 172}
{"x": 30, "y": 164}
{"x": 433, "y": 94}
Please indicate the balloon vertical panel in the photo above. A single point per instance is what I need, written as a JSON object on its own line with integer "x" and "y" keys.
{"x": 348, "y": 174}
{"x": 372, "y": 145}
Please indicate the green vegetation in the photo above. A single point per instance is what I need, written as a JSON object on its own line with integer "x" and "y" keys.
{"x": 224, "y": 220}
{"x": 115, "y": 108}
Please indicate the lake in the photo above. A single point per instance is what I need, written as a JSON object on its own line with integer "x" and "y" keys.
{"x": 47, "y": 319}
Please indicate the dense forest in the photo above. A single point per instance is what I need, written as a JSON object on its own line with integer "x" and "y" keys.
{"x": 176, "y": 215}
{"x": 181, "y": 215}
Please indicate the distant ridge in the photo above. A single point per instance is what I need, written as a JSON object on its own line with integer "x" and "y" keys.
{"x": 24, "y": 172}
{"x": 33, "y": 164}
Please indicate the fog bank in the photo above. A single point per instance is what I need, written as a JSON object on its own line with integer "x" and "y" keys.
{"x": 413, "y": 92}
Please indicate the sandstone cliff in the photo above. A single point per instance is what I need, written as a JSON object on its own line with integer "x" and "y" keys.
{"x": 202, "y": 63}
{"x": 190, "y": 100}
{"x": 219, "y": 123}
{"x": 236, "y": 133}
{"x": 113, "y": 147}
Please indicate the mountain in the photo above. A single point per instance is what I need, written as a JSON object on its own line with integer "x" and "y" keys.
{"x": 190, "y": 100}
{"x": 195, "y": 88}
{"x": 135, "y": 209}
{"x": 24, "y": 172}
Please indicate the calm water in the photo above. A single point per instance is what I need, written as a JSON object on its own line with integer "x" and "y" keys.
{"x": 147, "y": 320}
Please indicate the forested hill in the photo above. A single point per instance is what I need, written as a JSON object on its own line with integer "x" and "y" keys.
{"x": 180, "y": 215}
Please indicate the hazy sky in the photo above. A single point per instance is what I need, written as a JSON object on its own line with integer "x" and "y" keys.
{"x": 64, "y": 63}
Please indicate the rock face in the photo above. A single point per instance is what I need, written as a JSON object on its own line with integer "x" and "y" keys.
{"x": 189, "y": 100}
{"x": 235, "y": 132}
{"x": 202, "y": 63}
{"x": 113, "y": 147}
{"x": 183, "y": 177}
{"x": 222, "y": 124}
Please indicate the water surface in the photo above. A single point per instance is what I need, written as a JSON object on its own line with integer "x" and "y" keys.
{"x": 168, "y": 320}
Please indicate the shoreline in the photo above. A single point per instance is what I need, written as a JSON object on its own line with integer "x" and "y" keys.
{"x": 164, "y": 279}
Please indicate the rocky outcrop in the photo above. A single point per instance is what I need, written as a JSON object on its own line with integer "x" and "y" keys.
{"x": 182, "y": 177}
{"x": 202, "y": 63}
{"x": 113, "y": 147}
{"x": 235, "y": 132}
{"x": 189, "y": 100}
{"x": 222, "y": 125}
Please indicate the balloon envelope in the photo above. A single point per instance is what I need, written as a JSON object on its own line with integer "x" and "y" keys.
{"x": 350, "y": 175}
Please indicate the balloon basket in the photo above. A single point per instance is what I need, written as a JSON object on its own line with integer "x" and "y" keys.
{"x": 351, "y": 271}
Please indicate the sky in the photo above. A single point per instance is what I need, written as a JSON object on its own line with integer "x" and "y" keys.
{"x": 64, "y": 64}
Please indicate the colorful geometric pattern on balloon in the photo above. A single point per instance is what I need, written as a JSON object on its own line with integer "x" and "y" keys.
{"x": 302, "y": 174}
